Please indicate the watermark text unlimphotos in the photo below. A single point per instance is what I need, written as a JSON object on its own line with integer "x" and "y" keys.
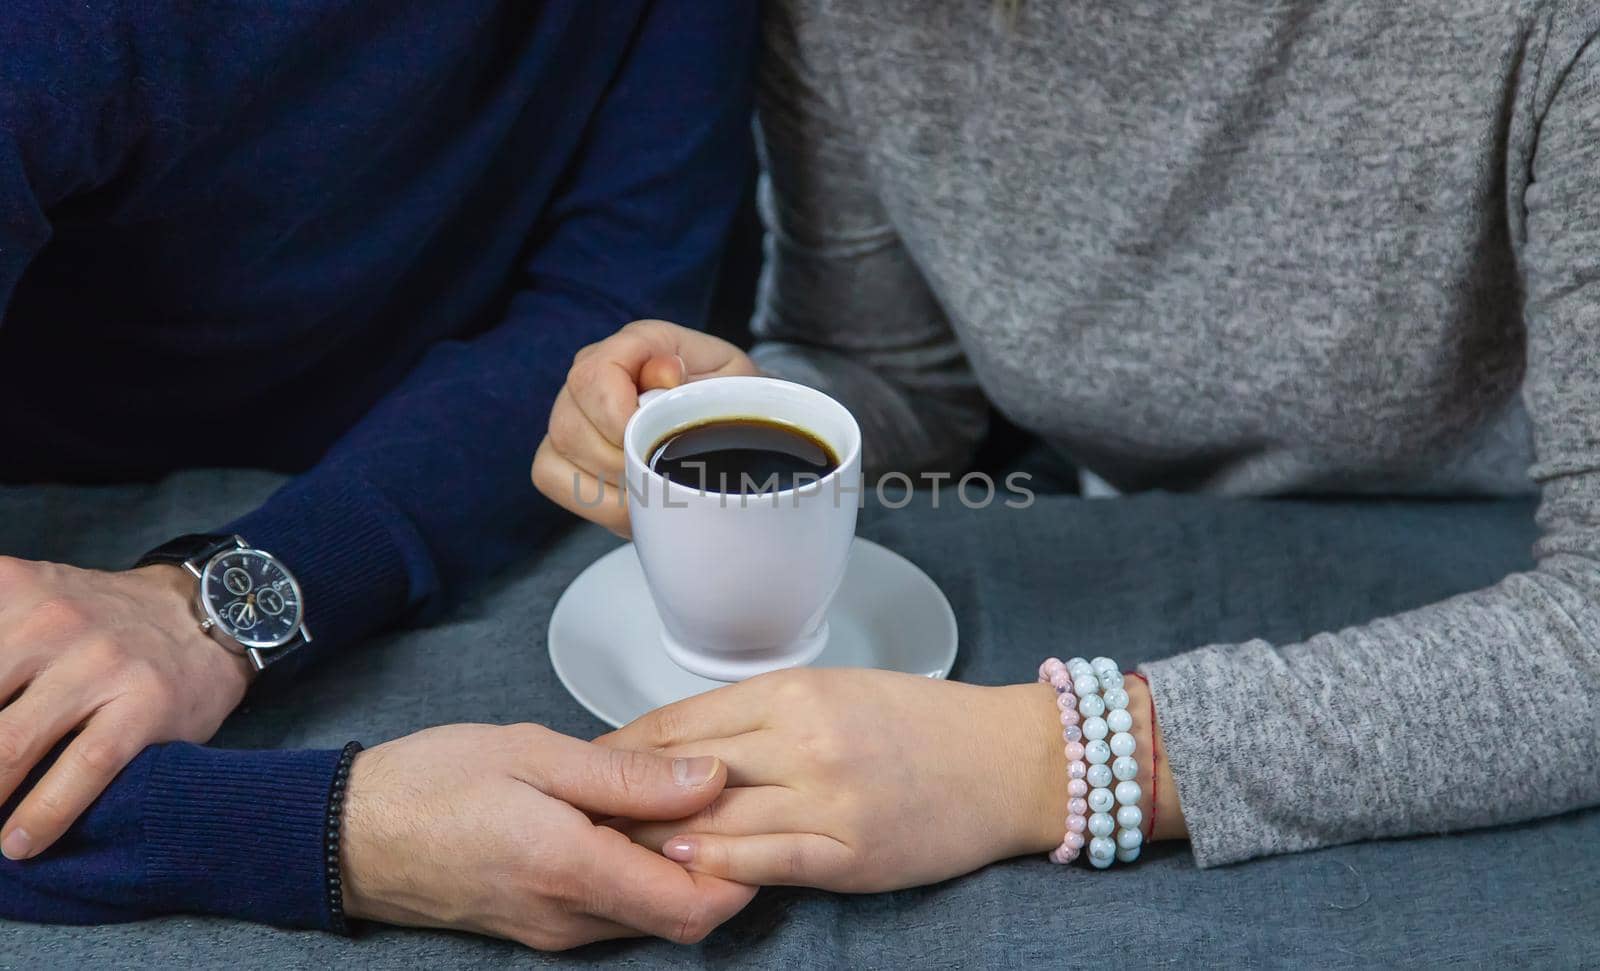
{"x": 893, "y": 490}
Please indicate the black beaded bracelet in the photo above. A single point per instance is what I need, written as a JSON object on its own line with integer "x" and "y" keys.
{"x": 330, "y": 839}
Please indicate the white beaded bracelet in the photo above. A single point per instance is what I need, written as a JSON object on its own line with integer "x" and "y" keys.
{"x": 1108, "y": 738}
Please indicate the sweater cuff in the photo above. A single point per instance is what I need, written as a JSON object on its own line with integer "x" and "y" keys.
{"x": 239, "y": 834}
{"x": 359, "y": 562}
{"x": 1215, "y": 757}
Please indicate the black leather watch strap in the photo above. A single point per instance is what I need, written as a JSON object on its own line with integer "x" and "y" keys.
{"x": 194, "y": 551}
{"x": 198, "y": 547}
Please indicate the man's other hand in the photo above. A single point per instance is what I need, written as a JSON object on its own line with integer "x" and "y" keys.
{"x": 493, "y": 830}
{"x": 118, "y": 658}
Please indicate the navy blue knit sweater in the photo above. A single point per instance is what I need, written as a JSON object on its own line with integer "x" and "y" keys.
{"x": 351, "y": 240}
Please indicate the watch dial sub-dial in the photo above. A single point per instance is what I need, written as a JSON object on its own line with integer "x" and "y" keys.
{"x": 241, "y": 614}
{"x": 253, "y": 598}
{"x": 269, "y": 601}
{"x": 237, "y": 581}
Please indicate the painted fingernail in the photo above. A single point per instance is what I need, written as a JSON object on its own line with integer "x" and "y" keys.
{"x": 17, "y": 844}
{"x": 680, "y": 850}
{"x": 695, "y": 772}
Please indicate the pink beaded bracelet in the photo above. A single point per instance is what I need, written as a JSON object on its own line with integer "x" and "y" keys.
{"x": 1055, "y": 674}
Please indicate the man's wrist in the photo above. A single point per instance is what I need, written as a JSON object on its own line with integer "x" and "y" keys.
{"x": 374, "y": 880}
{"x": 354, "y": 845}
{"x": 176, "y": 587}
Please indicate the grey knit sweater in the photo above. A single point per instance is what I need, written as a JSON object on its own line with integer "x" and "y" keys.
{"x": 1248, "y": 248}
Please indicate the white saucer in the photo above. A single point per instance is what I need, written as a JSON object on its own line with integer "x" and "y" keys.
{"x": 606, "y": 647}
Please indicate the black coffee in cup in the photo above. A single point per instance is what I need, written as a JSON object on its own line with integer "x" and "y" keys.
{"x": 741, "y": 456}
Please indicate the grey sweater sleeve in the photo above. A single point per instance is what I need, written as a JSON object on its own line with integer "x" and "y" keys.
{"x": 1481, "y": 709}
{"x": 842, "y": 305}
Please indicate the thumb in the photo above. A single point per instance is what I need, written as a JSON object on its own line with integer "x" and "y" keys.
{"x": 638, "y": 785}
{"x": 663, "y": 371}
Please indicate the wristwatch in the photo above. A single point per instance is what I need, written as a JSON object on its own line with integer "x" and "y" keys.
{"x": 249, "y": 602}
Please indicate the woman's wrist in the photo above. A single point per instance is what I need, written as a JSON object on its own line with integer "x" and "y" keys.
{"x": 1163, "y": 816}
{"x": 1041, "y": 809}
{"x": 1042, "y": 804}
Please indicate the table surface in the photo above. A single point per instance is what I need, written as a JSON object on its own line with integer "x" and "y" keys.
{"x": 1139, "y": 578}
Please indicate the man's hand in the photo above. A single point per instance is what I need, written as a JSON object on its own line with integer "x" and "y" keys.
{"x": 581, "y": 457}
{"x": 119, "y": 656}
{"x": 490, "y": 829}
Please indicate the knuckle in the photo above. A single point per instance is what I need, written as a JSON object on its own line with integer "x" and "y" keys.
{"x": 141, "y": 673}
{"x": 101, "y": 756}
{"x": 533, "y": 733}
{"x": 583, "y": 373}
{"x": 797, "y": 687}
{"x": 13, "y": 744}
{"x": 525, "y": 734}
{"x": 545, "y": 471}
{"x": 793, "y": 863}
{"x": 828, "y": 749}
{"x": 651, "y": 327}
{"x": 58, "y": 617}
{"x": 629, "y": 773}
{"x": 103, "y": 653}
{"x": 665, "y": 727}
{"x": 631, "y": 343}
{"x": 712, "y": 817}
{"x": 148, "y": 685}
{"x": 152, "y": 691}
{"x": 611, "y": 403}
{"x": 564, "y": 431}
{"x": 544, "y": 939}
{"x": 693, "y": 926}
{"x": 49, "y": 806}
{"x": 548, "y": 882}
{"x": 563, "y": 883}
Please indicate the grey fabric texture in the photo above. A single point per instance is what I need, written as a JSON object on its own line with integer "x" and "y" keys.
{"x": 1294, "y": 247}
{"x": 1139, "y": 578}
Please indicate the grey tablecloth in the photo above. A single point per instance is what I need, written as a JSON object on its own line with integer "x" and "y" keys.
{"x": 1137, "y": 578}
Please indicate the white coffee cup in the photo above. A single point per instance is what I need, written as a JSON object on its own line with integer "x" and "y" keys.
{"x": 742, "y": 583}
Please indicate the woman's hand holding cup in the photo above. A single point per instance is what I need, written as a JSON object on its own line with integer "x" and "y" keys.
{"x": 582, "y": 452}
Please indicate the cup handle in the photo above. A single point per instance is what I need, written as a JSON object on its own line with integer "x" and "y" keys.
{"x": 648, "y": 396}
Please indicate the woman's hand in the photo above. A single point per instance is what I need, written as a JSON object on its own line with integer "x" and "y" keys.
{"x": 580, "y": 458}
{"x": 117, "y": 657}
{"x": 860, "y": 781}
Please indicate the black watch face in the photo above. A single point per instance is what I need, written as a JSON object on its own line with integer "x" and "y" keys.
{"x": 252, "y": 598}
